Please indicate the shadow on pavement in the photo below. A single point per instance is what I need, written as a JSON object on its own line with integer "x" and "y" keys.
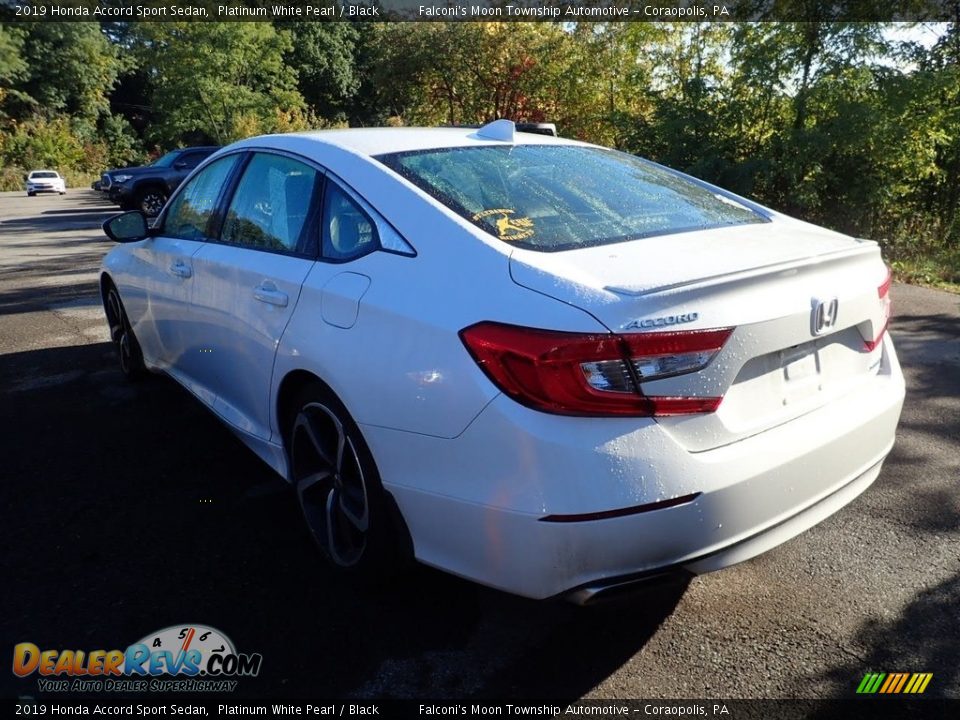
{"x": 27, "y": 299}
{"x": 923, "y": 636}
{"x": 67, "y": 221}
{"x": 129, "y": 508}
{"x": 922, "y": 639}
{"x": 96, "y": 207}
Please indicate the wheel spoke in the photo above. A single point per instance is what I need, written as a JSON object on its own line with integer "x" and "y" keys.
{"x": 344, "y": 556}
{"x": 114, "y": 316}
{"x": 303, "y": 423}
{"x": 304, "y": 484}
{"x": 361, "y": 521}
{"x": 353, "y": 499}
{"x": 341, "y": 441}
{"x": 330, "y": 484}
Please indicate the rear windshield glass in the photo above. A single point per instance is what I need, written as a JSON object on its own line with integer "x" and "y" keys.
{"x": 550, "y": 197}
{"x": 44, "y": 174}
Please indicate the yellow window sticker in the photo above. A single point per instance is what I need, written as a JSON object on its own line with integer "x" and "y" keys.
{"x": 508, "y": 228}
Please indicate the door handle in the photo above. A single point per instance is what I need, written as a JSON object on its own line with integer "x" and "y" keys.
{"x": 267, "y": 292}
{"x": 180, "y": 269}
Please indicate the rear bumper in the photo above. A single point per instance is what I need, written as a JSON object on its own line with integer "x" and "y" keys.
{"x": 476, "y": 504}
{"x": 745, "y": 549}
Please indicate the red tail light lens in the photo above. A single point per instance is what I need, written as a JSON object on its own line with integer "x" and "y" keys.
{"x": 886, "y": 305}
{"x": 593, "y": 374}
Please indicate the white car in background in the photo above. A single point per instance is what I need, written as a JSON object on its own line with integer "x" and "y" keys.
{"x": 543, "y": 365}
{"x": 45, "y": 181}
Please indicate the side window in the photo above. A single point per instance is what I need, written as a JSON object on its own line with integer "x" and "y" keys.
{"x": 189, "y": 213}
{"x": 192, "y": 159}
{"x": 347, "y": 231}
{"x": 270, "y": 208}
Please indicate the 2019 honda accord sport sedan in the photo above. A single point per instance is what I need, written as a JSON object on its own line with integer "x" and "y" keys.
{"x": 543, "y": 365}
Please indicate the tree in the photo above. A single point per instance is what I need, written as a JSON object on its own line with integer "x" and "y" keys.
{"x": 71, "y": 69}
{"x": 323, "y": 54}
{"x": 218, "y": 81}
{"x": 469, "y": 73}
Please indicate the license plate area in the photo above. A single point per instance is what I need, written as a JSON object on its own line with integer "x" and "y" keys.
{"x": 801, "y": 372}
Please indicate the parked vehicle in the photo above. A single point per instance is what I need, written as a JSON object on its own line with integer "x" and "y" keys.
{"x": 543, "y": 365}
{"x": 147, "y": 188}
{"x": 45, "y": 181}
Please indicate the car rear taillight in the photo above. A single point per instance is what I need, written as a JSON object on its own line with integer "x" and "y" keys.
{"x": 593, "y": 374}
{"x": 886, "y": 306}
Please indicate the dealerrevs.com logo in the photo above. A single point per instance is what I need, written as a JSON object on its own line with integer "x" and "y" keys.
{"x": 179, "y": 658}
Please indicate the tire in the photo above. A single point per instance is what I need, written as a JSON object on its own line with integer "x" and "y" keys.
{"x": 122, "y": 336}
{"x": 351, "y": 518}
{"x": 150, "y": 201}
{"x": 31, "y": 194}
{"x": 64, "y": 192}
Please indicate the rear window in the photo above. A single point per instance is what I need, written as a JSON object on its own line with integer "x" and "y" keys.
{"x": 550, "y": 197}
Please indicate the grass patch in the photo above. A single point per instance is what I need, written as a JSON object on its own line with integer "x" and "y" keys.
{"x": 929, "y": 272}
{"x": 919, "y": 257}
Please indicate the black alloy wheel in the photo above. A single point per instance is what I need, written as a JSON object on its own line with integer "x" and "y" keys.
{"x": 348, "y": 513}
{"x": 122, "y": 337}
{"x": 151, "y": 201}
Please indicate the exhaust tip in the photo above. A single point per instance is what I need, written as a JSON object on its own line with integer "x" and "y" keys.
{"x": 611, "y": 590}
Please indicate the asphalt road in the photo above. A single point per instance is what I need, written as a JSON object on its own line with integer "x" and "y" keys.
{"x": 129, "y": 508}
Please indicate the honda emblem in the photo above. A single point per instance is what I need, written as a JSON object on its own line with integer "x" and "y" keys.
{"x": 824, "y": 315}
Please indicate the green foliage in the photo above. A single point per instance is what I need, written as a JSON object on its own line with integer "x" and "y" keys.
{"x": 323, "y": 54}
{"x": 70, "y": 69}
{"x": 468, "y": 73}
{"x": 833, "y": 122}
{"x": 43, "y": 143}
{"x": 217, "y": 81}
{"x": 12, "y": 64}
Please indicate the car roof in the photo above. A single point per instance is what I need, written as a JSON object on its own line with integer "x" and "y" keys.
{"x": 377, "y": 141}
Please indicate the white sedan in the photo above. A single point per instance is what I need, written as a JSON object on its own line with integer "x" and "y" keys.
{"x": 543, "y": 365}
{"x": 45, "y": 181}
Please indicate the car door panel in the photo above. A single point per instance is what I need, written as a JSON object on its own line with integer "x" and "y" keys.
{"x": 242, "y": 302}
{"x": 163, "y": 297}
{"x": 168, "y": 283}
{"x": 246, "y": 286}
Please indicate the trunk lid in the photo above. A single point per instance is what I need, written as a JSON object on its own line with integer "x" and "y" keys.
{"x": 769, "y": 281}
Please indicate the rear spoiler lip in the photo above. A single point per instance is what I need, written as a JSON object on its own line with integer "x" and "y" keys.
{"x": 867, "y": 248}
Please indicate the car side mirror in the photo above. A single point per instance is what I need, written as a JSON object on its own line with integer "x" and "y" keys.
{"x": 127, "y": 227}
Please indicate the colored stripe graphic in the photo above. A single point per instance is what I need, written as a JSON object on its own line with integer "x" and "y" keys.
{"x": 900, "y": 683}
{"x": 923, "y": 679}
{"x": 894, "y": 683}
